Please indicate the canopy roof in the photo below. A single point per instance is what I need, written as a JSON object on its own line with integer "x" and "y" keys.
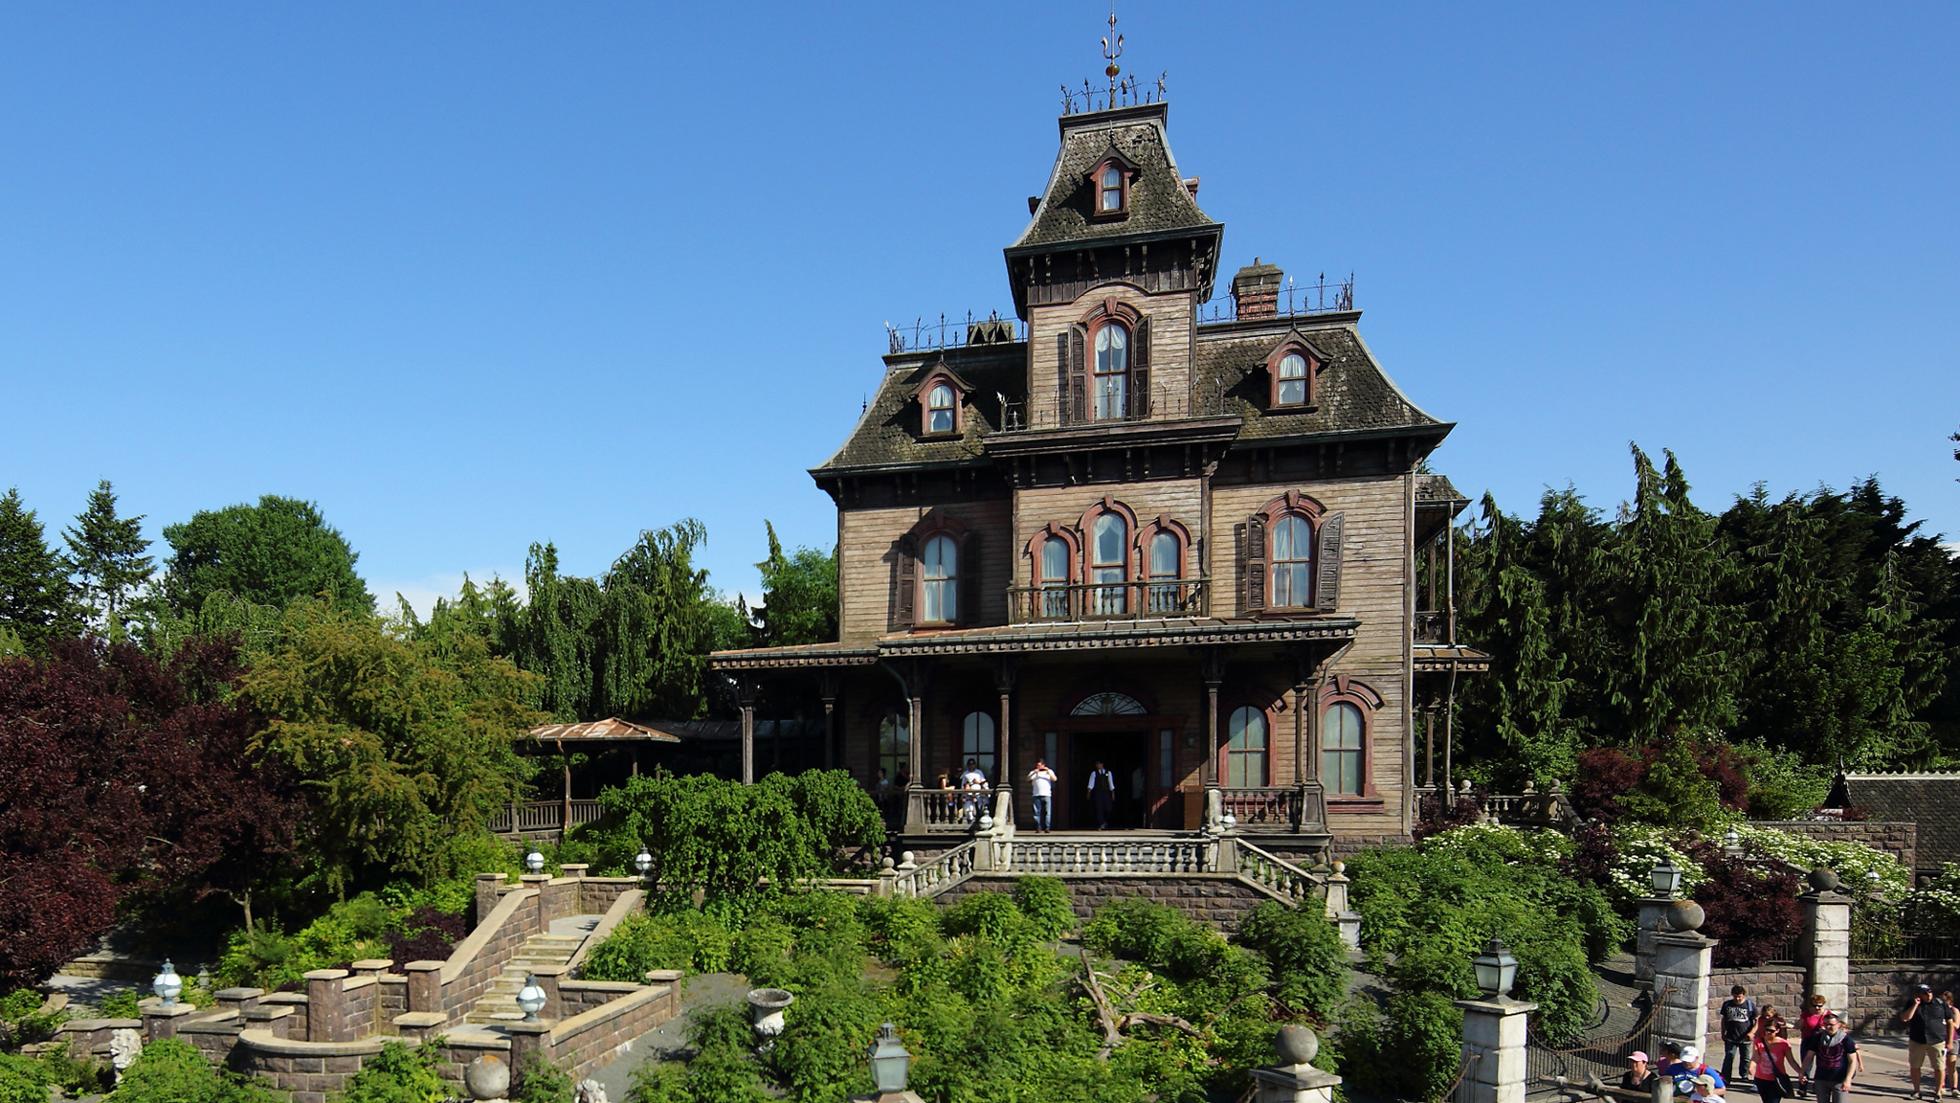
{"x": 610, "y": 730}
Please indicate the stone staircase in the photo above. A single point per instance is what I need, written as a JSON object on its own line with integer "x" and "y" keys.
{"x": 554, "y": 947}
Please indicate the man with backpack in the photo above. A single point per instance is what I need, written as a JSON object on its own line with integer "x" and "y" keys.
{"x": 1738, "y": 1025}
{"x": 1830, "y": 1058}
{"x": 1928, "y": 1022}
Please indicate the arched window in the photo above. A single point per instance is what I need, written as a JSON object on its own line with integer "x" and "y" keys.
{"x": 1343, "y": 729}
{"x": 1111, "y": 381}
{"x": 1109, "y": 189}
{"x": 939, "y": 409}
{"x": 1291, "y": 387}
{"x": 1109, "y": 547}
{"x": 1054, "y": 579}
{"x": 977, "y": 742}
{"x": 1292, "y": 586}
{"x": 1165, "y": 568}
{"x": 939, "y": 581}
{"x": 894, "y": 744}
{"x": 1247, "y": 748}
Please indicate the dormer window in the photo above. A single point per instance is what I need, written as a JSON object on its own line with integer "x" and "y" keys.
{"x": 939, "y": 408}
{"x": 1110, "y": 186}
{"x": 1293, "y": 367}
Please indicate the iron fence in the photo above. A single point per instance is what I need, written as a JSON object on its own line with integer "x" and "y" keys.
{"x": 953, "y": 332}
{"x": 1597, "y": 1058}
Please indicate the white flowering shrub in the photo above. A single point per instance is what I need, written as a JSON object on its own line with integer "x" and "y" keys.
{"x": 1935, "y": 909}
{"x": 1637, "y": 849}
{"x": 1854, "y": 863}
{"x": 1515, "y": 846}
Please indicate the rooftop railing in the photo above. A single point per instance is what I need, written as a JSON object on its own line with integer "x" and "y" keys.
{"x": 953, "y": 333}
{"x": 1323, "y": 296}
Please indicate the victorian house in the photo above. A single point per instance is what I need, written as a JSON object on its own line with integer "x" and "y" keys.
{"x": 1194, "y": 541}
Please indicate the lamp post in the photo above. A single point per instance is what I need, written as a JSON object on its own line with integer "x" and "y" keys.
{"x": 1497, "y": 970}
{"x": 530, "y": 998}
{"x": 643, "y": 862}
{"x": 891, "y": 1067}
{"x": 1732, "y": 842}
{"x": 1666, "y": 879}
{"x": 167, "y": 985}
{"x": 534, "y": 861}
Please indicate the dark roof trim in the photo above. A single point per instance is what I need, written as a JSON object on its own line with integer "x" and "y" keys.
{"x": 1116, "y": 635}
{"x": 1303, "y": 322}
{"x": 1100, "y": 241}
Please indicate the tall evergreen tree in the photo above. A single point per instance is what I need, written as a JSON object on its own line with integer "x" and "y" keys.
{"x": 107, "y": 554}
{"x": 799, "y": 595}
{"x": 36, "y": 600}
{"x": 553, "y": 634}
{"x": 269, "y": 554}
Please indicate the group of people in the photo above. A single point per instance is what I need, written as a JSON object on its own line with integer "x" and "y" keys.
{"x": 1815, "y": 1053}
{"x": 889, "y": 793}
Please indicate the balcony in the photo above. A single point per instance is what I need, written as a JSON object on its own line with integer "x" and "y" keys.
{"x": 1170, "y": 597}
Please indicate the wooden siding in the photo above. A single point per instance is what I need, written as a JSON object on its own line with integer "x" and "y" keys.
{"x": 1171, "y": 338}
{"x": 1180, "y": 500}
{"x": 867, "y": 575}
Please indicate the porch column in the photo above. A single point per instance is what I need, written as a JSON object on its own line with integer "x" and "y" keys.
{"x": 745, "y": 694}
{"x": 1300, "y": 706}
{"x": 827, "y": 688}
{"x": 1214, "y": 674}
{"x": 565, "y": 811}
{"x": 915, "y": 707}
{"x": 1004, "y": 677}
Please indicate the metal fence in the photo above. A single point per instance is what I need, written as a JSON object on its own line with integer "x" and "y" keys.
{"x": 1599, "y": 1057}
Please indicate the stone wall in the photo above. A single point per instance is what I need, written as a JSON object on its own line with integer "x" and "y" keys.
{"x": 1780, "y": 986}
{"x": 479, "y": 959}
{"x": 1901, "y": 840}
{"x": 583, "y": 1042}
{"x": 1220, "y": 899}
{"x": 1346, "y": 846}
{"x": 1882, "y": 989}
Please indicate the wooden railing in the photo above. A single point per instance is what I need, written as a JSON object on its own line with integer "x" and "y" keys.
{"x": 946, "y": 811}
{"x": 1193, "y": 855}
{"x": 1278, "y": 875}
{"x": 525, "y": 816}
{"x": 1263, "y": 808}
{"x": 937, "y": 874}
{"x": 1168, "y": 597}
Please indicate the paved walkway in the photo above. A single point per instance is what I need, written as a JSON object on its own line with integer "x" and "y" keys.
{"x": 668, "y": 1041}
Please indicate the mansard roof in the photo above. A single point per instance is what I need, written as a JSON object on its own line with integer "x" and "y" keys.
{"x": 888, "y": 431}
{"x": 1353, "y": 394}
{"x": 1159, "y": 203}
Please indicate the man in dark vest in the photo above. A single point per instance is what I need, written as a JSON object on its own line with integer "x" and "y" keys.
{"x": 1102, "y": 794}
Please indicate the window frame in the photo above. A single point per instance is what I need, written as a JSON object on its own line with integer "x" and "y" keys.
{"x": 1147, "y": 537}
{"x": 950, "y": 581}
{"x": 1274, "y": 564}
{"x": 940, "y": 377}
{"x": 1124, "y": 174}
{"x": 1093, "y": 600}
{"x": 1093, "y": 368}
{"x": 1226, "y": 753}
{"x": 1060, "y": 605}
{"x": 1306, "y": 352}
{"x": 989, "y": 759}
{"x": 1367, "y": 703}
{"x": 1291, "y": 503}
{"x": 899, "y": 721}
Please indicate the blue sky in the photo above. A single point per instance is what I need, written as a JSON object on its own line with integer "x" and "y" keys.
{"x": 473, "y": 275}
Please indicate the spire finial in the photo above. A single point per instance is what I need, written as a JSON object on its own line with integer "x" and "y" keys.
{"x": 1112, "y": 48}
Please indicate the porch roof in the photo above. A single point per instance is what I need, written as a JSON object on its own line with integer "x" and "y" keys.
{"x": 796, "y": 657}
{"x": 1438, "y": 657}
{"x": 1114, "y": 634}
{"x": 610, "y": 730}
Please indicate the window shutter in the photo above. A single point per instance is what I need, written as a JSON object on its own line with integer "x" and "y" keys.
{"x": 1140, "y": 370}
{"x": 1327, "y": 587}
{"x": 1254, "y": 580}
{"x": 968, "y": 612}
{"x": 1062, "y": 376}
{"x": 1074, "y": 408}
{"x": 908, "y": 582}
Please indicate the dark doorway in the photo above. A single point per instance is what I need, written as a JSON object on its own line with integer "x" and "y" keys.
{"x": 1122, "y": 753}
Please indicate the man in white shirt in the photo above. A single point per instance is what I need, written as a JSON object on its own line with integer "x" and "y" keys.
{"x": 1102, "y": 794}
{"x": 974, "y": 783}
{"x": 1041, "y": 786}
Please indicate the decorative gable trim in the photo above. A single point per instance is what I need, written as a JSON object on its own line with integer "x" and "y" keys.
{"x": 1294, "y": 342}
{"x": 922, "y": 394}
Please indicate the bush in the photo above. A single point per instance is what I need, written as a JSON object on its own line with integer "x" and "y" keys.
{"x": 540, "y": 1081}
{"x": 1303, "y": 951}
{"x": 1048, "y": 905}
{"x": 398, "y": 1074}
{"x": 121, "y": 1004}
{"x": 171, "y": 1070}
{"x": 22, "y": 1020}
{"x": 688, "y": 940}
{"x": 1411, "y": 1049}
{"x": 1751, "y": 909}
{"x": 75, "y": 1077}
{"x": 22, "y": 1080}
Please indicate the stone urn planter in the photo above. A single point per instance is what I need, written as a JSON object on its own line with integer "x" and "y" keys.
{"x": 766, "y": 1007}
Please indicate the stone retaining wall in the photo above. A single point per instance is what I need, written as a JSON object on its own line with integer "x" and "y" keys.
{"x": 1778, "y": 985}
{"x": 1882, "y": 989}
{"x": 1347, "y": 846}
{"x": 479, "y": 959}
{"x": 1220, "y": 899}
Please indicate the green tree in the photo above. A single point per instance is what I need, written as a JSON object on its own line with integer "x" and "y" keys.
{"x": 406, "y": 750}
{"x": 656, "y": 627}
{"x": 799, "y": 595}
{"x": 36, "y": 601}
{"x": 107, "y": 554}
{"x": 553, "y": 635}
{"x": 268, "y": 554}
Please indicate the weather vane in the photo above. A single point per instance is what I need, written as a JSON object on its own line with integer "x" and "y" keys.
{"x": 1112, "y": 48}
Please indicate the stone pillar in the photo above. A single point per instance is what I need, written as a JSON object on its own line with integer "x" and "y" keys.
{"x": 527, "y": 1040}
{"x": 1493, "y": 1046}
{"x": 239, "y": 1000}
{"x": 537, "y": 882}
{"x": 371, "y": 967}
{"x": 1653, "y": 912}
{"x": 160, "y": 1021}
{"x": 574, "y": 870}
{"x": 424, "y": 985}
{"x": 1346, "y": 920}
{"x": 326, "y": 1007}
{"x": 1683, "y": 958}
{"x": 487, "y": 885}
{"x": 1294, "y": 1079}
{"x": 1825, "y": 948}
{"x": 548, "y": 977}
{"x": 745, "y": 694}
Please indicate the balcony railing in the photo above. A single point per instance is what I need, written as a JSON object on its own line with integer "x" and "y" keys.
{"x": 523, "y": 817}
{"x": 1113, "y": 406}
{"x": 1263, "y": 808}
{"x": 1169, "y": 597}
{"x": 949, "y": 811}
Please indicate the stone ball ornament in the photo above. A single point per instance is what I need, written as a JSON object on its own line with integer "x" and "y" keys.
{"x": 1824, "y": 879}
{"x": 487, "y": 1077}
{"x": 1685, "y": 916}
{"x": 1296, "y": 1045}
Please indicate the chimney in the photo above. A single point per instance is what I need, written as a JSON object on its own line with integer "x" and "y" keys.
{"x": 1255, "y": 290}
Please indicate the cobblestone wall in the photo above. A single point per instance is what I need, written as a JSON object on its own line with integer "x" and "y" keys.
{"x": 1220, "y": 899}
{"x": 1779, "y": 985}
{"x": 1882, "y": 989}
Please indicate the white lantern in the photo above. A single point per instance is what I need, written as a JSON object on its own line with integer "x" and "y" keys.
{"x": 530, "y": 998}
{"x": 1732, "y": 839}
{"x": 534, "y": 861}
{"x": 891, "y": 1065}
{"x": 643, "y": 862}
{"x": 1496, "y": 969}
{"x": 1666, "y": 879}
{"x": 168, "y": 985}
{"x": 1229, "y": 820}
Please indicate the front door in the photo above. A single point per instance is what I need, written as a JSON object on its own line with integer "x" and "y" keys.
{"x": 1124, "y": 755}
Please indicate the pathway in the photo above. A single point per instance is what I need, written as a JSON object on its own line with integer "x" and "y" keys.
{"x": 668, "y": 1041}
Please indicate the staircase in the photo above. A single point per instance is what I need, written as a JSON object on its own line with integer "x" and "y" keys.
{"x": 554, "y": 947}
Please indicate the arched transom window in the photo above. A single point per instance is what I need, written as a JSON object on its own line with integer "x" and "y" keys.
{"x": 1111, "y": 380}
{"x": 1292, "y": 586}
{"x": 1109, "y": 554}
{"x": 1247, "y": 748}
{"x": 939, "y": 409}
{"x": 1342, "y": 733}
{"x": 939, "y": 581}
{"x": 1109, "y": 704}
{"x": 977, "y": 742}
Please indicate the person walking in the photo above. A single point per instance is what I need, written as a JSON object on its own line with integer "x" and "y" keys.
{"x": 1831, "y": 1060}
{"x": 1738, "y": 1015}
{"x": 1102, "y": 794}
{"x": 1773, "y": 1058}
{"x": 1950, "y": 1076}
{"x": 1041, "y": 793}
{"x": 1929, "y": 1024}
{"x": 1639, "y": 1076}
